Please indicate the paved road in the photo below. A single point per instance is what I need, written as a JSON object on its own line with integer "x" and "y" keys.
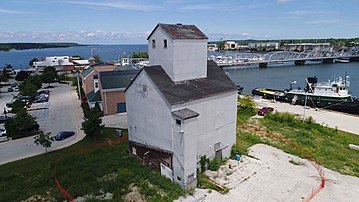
{"x": 62, "y": 112}
{"x": 344, "y": 122}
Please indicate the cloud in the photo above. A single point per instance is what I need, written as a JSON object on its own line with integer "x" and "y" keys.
{"x": 75, "y": 36}
{"x": 116, "y": 4}
{"x": 7, "y": 11}
{"x": 283, "y": 1}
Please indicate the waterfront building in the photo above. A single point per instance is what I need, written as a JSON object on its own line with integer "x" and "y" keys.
{"x": 181, "y": 107}
{"x": 308, "y": 46}
{"x": 230, "y": 45}
{"x": 264, "y": 46}
{"x": 212, "y": 47}
{"x": 61, "y": 63}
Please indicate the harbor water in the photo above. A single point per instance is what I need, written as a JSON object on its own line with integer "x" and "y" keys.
{"x": 276, "y": 76}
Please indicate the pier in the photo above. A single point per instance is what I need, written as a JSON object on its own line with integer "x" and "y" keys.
{"x": 277, "y": 57}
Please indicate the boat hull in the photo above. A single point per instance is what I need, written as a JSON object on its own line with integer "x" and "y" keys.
{"x": 343, "y": 104}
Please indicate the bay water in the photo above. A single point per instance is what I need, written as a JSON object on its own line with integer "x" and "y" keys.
{"x": 249, "y": 77}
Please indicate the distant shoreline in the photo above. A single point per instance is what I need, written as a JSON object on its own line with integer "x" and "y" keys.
{"x": 24, "y": 46}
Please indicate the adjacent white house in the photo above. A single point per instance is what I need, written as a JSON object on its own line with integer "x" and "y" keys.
{"x": 182, "y": 106}
{"x": 61, "y": 63}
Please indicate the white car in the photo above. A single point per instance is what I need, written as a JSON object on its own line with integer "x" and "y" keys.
{"x": 3, "y": 136}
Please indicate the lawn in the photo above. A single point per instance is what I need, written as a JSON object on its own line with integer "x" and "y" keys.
{"x": 326, "y": 146}
{"x": 85, "y": 169}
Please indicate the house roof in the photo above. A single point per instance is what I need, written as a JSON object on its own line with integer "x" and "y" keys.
{"x": 117, "y": 79}
{"x": 185, "y": 114}
{"x": 179, "y": 31}
{"x": 87, "y": 71}
{"x": 81, "y": 62}
{"x": 122, "y": 68}
{"x": 216, "y": 82}
{"x": 94, "y": 97}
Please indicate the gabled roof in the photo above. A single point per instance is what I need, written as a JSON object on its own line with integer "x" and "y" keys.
{"x": 117, "y": 79}
{"x": 87, "y": 71}
{"x": 123, "y": 68}
{"x": 179, "y": 31}
{"x": 94, "y": 97}
{"x": 216, "y": 83}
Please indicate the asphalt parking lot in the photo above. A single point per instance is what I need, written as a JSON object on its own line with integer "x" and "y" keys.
{"x": 61, "y": 112}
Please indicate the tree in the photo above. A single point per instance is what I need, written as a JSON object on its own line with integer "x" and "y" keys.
{"x": 27, "y": 88}
{"x": 93, "y": 124}
{"x": 220, "y": 45}
{"x": 44, "y": 140}
{"x": 21, "y": 121}
{"x": 31, "y": 63}
{"x": 49, "y": 75}
{"x": 22, "y": 75}
{"x": 17, "y": 106}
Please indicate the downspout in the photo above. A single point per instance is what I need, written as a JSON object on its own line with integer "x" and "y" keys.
{"x": 105, "y": 96}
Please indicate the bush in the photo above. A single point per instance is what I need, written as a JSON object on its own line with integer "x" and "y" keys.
{"x": 214, "y": 164}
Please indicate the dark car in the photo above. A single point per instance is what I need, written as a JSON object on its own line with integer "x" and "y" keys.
{"x": 10, "y": 89}
{"x": 63, "y": 135}
{"x": 265, "y": 110}
{"x": 4, "y": 118}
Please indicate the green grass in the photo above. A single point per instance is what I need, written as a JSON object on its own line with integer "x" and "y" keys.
{"x": 306, "y": 139}
{"x": 82, "y": 172}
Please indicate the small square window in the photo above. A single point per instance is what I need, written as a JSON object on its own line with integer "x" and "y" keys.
{"x": 164, "y": 43}
{"x": 96, "y": 85}
{"x": 178, "y": 122}
{"x": 178, "y": 178}
{"x": 153, "y": 43}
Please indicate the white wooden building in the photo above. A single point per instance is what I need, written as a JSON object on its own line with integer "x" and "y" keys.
{"x": 182, "y": 106}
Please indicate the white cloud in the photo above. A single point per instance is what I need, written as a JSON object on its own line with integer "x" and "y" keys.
{"x": 116, "y": 4}
{"x": 97, "y": 36}
{"x": 8, "y": 11}
{"x": 283, "y": 1}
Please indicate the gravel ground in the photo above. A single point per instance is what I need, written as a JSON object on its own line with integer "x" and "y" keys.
{"x": 271, "y": 177}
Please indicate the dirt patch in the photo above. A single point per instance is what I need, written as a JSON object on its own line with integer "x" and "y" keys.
{"x": 39, "y": 198}
{"x": 134, "y": 195}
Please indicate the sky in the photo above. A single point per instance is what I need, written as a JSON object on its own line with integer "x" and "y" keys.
{"x": 131, "y": 21}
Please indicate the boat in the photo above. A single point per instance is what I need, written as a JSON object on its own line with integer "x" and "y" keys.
{"x": 342, "y": 60}
{"x": 332, "y": 95}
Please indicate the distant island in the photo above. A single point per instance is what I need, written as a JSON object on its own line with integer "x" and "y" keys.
{"x": 22, "y": 46}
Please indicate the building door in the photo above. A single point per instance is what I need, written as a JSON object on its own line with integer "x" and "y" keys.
{"x": 219, "y": 154}
{"x": 121, "y": 107}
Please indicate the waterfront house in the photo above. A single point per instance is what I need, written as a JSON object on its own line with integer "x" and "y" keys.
{"x": 61, "y": 63}
{"x": 181, "y": 107}
{"x": 90, "y": 82}
{"x": 112, "y": 85}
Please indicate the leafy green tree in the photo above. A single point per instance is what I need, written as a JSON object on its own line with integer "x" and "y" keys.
{"x": 22, "y": 75}
{"x": 49, "y": 75}
{"x": 27, "y": 88}
{"x": 31, "y": 63}
{"x": 93, "y": 124}
{"x": 20, "y": 121}
{"x": 44, "y": 140}
{"x": 17, "y": 106}
{"x": 220, "y": 45}
{"x": 35, "y": 80}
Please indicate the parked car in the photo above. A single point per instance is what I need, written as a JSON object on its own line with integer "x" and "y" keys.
{"x": 4, "y": 118}
{"x": 10, "y": 89}
{"x": 16, "y": 89}
{"x": 2, "y": 132}
{"x": 63, "y": 135}
{"x": 264, "y": 111}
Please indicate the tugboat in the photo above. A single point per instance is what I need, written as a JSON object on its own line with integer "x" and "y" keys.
{"x": 332, "y": 95}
